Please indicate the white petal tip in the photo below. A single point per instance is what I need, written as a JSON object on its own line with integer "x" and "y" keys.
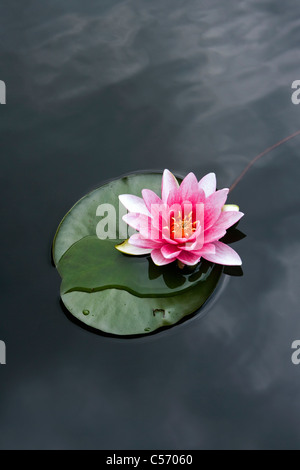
{"x": 230, "y": 208}
{"x": 236, "y": 263}
{"x": 168, "y": 174}
{"x": 129, "y": 249}
{"x": 121, "y": 198}
{"x": 232, "y": 264}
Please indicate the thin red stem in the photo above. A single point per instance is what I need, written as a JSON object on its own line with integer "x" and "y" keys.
{"x": 269, "y": 149}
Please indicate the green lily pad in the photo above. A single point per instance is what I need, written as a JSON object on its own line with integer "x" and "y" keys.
{"x": 91, "y": 265}
{"x": 117, "y": 293}
{"x": 81, "y": 220}
{"x": 121, "y": 313}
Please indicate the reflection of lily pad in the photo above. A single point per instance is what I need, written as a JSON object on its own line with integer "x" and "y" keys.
{"x": 121, "y": 294}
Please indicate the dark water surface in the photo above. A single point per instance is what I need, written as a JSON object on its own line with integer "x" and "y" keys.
{"x": 96, "y": 89}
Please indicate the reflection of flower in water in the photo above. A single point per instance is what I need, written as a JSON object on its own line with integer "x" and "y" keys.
{"x": 185, "y": 224}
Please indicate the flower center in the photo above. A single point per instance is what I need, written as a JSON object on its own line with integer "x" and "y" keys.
{"x": 183, "y": 227}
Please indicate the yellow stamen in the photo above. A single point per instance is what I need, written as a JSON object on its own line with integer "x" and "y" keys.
{"x": 183, "y": 228}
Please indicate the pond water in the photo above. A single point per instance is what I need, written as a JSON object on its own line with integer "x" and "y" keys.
{"x": 99, "y": 89}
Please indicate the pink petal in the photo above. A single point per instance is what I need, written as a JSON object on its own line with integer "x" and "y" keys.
{"x": 159, "y": 219}
{"x": 213, "y": 207}
{"x": 227, "y": 219}
{"x": 159, "y": 259}
{"x": 136, "y": 220}
{"x": 170, "y": 251}
{"x": 174, "y": 197}
{"x": 208, "y": 248}
{"x": 213, "y": 234}
{"x": 134, "y": 204}
{"x": 188, "y": 258}
{"x": 189, "y": 187}
{"x": 195, "y": 242}
{"x": 197, "y": 198}
{"x": 177, "y": 197}
{"x": 169, "y": 183}
{"x": 150, "y": 198}
{"x": 137, "y": 240}
{"x": 139, "y": 222}
{"x": 224, "y": 255}
{"x": 166, "y": 237}
{"x": 208, "y": 183}
{"x": 218, "y": 230}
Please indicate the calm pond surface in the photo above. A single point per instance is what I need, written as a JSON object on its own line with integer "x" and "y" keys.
{"x": 97, "y": 89}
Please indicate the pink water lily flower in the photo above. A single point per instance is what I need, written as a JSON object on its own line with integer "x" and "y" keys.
{"x": 185, "y": 224}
